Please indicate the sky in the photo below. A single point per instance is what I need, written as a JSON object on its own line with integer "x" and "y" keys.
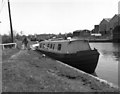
{"x": 55, "y": 16}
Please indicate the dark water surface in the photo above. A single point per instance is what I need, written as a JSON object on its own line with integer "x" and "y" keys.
{"x": 109, "y": 59}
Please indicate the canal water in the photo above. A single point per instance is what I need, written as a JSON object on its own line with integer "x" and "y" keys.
{"x": 109, "y": 59}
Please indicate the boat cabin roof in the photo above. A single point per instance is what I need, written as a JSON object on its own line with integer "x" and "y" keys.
{"x": 64, "y": 46}
{"x": 68, "y": 40}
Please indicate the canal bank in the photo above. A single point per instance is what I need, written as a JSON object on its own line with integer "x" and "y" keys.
{"x": 28, "y": 71}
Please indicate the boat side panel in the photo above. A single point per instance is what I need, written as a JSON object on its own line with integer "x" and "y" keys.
{"x": 67, "y": 46}
{"x": 62, "y": 50}
{"x": 83, "y": 60}
{"x": 78, "y": 46}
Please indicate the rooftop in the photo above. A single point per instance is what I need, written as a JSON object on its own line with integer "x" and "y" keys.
{"x": 107, "y": 19}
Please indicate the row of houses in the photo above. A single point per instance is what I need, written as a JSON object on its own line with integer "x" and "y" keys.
{"x": 107, "y": 25}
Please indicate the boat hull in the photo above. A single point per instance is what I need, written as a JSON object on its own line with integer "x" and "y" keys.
{"x": 83, "y": 60}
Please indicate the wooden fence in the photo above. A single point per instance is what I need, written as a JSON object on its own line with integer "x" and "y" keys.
{"x": 8, "y": 44}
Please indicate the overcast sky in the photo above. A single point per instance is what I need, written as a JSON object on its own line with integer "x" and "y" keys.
{"x": 55, "y": 16}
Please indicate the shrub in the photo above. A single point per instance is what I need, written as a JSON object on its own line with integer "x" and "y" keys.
{"x": 6, "y": 39}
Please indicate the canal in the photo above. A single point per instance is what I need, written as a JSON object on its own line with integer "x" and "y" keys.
{"x": 109, "y": 59}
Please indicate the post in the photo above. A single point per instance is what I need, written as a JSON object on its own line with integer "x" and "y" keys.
{"x": 11, "y": 29}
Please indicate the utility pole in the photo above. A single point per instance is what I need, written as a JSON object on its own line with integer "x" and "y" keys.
{"x": 11, "y": 29}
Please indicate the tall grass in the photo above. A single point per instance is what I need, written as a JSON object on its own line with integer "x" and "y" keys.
{"x": 6, "y": 39}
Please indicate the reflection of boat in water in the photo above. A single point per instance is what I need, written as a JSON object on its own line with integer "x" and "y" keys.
{"x": 74, "y": 52}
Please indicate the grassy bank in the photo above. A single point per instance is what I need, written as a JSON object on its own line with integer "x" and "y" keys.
{"x": 29, "y": 71}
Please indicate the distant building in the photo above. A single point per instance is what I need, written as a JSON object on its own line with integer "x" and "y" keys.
{"x": 115, "y": 21}
{"x": 115, "y": 27}
{"x": 76, "y": 33}
{"x": 116, "y": 34}
{"x": 107, "y": 25}
{"x": 84, "y": 32}
{"x": 69, "y": 35}
{"x": 96, "y": 29}
{"x": 104, "y": 26}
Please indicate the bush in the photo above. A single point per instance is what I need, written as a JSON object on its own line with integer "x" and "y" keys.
{"x": 6, "y": 39}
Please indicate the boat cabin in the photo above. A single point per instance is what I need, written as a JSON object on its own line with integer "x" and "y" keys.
{"x": 64, "y": 46}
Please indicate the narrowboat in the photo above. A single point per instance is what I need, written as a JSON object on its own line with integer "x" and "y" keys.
{"x": 74, "y": 52}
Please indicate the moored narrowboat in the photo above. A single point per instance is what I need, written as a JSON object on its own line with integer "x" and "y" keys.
{"x": 74, "y": 52}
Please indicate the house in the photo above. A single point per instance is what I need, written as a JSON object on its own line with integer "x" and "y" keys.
{"x": 96, "y": 29}
{"x": 115, "y": 21}
{"x": 84, "y": 32}
{"x": 76, "y": 33}
{"x": 116, "y": 34}
{"x": 115, "y": 27}
{"x": 104, "y": 26}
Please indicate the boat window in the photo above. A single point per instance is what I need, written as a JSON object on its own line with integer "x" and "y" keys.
{"x": 59, "y": 46}
{"x": 43, "y": 45}
{"x": 53, "y": 46}
{"x": 50, "y": 45}
{"x": 40, "y": 45}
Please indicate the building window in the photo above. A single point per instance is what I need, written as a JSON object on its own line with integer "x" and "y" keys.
{"x": 59, "y": 47}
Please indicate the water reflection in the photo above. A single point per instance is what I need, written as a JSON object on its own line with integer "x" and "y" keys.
{"x": 107, "y": 67}
{"x": 108, "y": 49}
{"x": 117, "y": 56}
{"x": 117, "y": 52}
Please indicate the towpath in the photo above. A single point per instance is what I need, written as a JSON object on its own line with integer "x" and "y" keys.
{"x": 28, "y": 71}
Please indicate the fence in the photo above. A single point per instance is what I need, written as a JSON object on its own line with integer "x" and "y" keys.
{"x": 8, "y": 44}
